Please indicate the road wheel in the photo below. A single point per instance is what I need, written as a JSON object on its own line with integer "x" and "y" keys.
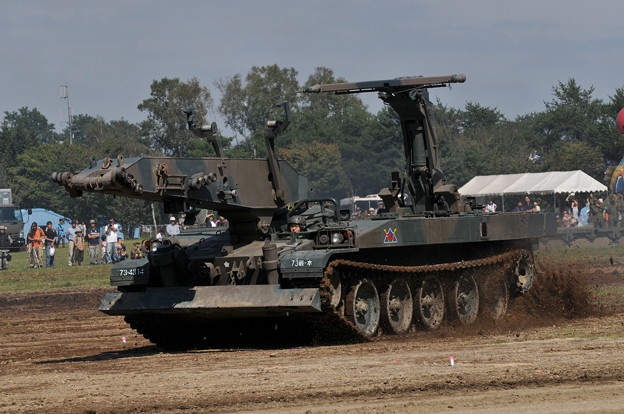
{"x": 429, "y": 303}
{"x": 397, "y": 307}
{"x": 363, "y": 308}
{"x": 464, "y": 300}
{"x": 494, "y": 297}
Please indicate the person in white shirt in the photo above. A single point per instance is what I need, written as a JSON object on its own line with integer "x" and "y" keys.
{"x": 210, "y": 222}
{"x": 161, "y": 234}
{"x": 490, "y": 206}
{"x": 111, "y": 241}
{"x": 172, "y": 228}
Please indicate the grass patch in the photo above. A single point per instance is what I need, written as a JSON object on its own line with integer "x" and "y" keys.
{"x": 610, "y": 290}
{"x": 19, "y": 277}
{"x": 582, "y": 254}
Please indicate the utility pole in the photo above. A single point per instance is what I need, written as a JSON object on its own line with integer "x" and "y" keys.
{"x": 65, "y": 95}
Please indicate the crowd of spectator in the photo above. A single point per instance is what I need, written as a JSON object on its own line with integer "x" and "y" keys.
{"x": 101, "y": 247}
{"x": 525, "y": 205}
{"x": 601, "y": 212}
{"x": 93, "y": 243}
{"x": 578, "y": 211}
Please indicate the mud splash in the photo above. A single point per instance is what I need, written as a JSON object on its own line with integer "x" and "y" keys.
{"x": 559, "y": 292}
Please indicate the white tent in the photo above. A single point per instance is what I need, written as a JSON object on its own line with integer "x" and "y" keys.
{"x": 554, "y": 182}
{"x": 532, "y": 183}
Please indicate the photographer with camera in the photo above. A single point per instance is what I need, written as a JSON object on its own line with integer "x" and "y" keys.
{"x": 110, "y": 232}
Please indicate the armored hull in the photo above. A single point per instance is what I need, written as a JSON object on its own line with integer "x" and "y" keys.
{"x": 392, "y": 275}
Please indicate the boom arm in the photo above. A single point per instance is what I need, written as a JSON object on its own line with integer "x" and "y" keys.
{"x": 409, "y": 98}
{"x": 250, "y": 193}
{"x": 388, "y": 85}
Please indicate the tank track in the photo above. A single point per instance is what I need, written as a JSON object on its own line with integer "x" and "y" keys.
{"x": 335, "y": 325}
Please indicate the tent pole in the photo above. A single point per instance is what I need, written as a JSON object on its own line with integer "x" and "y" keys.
{"x": 504, "y": 203}
{"x": 554, "y": 202}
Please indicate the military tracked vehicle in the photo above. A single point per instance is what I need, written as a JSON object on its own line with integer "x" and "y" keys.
{"x": 290, "y": 262}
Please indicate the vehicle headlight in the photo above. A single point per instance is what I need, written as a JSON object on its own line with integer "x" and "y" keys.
{"x": 337, "y": 238}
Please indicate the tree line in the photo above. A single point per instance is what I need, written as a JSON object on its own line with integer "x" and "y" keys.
{"x": 334, "y": 140}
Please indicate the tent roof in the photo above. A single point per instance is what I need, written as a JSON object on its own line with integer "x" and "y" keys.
{"x": 532, "y": 183}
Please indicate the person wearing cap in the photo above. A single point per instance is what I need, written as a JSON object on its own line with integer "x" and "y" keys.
{"x": 137, "y": 251}
{"x": 210, "y": 220}
{"x": 35, "y": 245}
{"x": 60, "y": 232}
{"x": 50, "y": 241}
{"x": 111, "y": 241}
{"x": 93, "y": 241}
{"x": 71, "y": 235}
{"x": 172, "y": 228}
{"x": 79, "y": 246}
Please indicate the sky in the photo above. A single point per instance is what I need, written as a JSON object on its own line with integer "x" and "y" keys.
{"x": 109, "y": 51}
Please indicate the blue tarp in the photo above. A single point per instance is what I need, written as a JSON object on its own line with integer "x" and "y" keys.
{"x": 41, "y": 216}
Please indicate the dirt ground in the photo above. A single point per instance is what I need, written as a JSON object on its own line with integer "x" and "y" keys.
{"x": 558, "y": 351}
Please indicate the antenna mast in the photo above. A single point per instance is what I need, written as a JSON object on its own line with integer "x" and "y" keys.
{"x": 65, "y": 95}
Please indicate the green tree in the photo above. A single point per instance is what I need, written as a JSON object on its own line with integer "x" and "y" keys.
{"x": 616, "y": 101}
{"x": 203, "y": 148}
{"x": 32, "y": 185}
{"x": 380, "y": 153}
{"x": 246, "y": 106}
{"x": 109, "y": 139}
{"x": 479, "y": 141}
{"x": 21, "y": 130}
{"x": 578, "y": 155}
{"x": 571, "y": 115}
{"x": 33, "y": 188}
{"x": 475, "y": 115}
{"x": 368, "y": 148}
{"x": 165, "y": 128}
{"x": 81, "y": 124}
{"x": 322, "y": 164}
